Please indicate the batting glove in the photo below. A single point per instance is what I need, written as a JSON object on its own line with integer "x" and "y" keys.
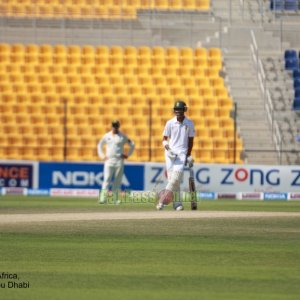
{"x": 171, "y": 154}
{"x": 189, "y": 161}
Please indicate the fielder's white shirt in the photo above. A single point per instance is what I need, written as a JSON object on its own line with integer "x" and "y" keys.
{"x": 114, "y": 146}
{"x": 179, "y": 133}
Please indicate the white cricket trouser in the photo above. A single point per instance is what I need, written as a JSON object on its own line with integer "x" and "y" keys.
{"x": 110, "y": 171}
{"x": 175, "y": 172}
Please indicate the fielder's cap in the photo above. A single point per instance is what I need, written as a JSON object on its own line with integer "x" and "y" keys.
{"x": 115, "y": 123}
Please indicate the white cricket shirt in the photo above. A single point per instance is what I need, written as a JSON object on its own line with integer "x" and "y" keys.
{"x": 114, "y": 146}
{"x": 179, "y": 133}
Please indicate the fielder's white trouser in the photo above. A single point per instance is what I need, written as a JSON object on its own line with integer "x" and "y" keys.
{"x": 175, "y": 172}
{"x": 112, "y": 171}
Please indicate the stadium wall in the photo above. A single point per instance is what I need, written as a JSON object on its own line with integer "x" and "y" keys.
{"x": 213, "y": 180}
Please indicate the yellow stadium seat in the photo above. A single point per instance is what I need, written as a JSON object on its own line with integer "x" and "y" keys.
{"x": 212, "y": 123}
{"x": 200, "y": 63}
{"x": 131, "y": 61}
{"x": 44, "y": 11}
{"x": 45, "y": 49}
{"x": 163, "y": 91}
{"x": 173, "y": 81}
{"x": 158, "y": 61}
{"x": 213, "y": 72}
{"x": 155, "y": 71}
{"x": 102, "y": 51}
{"x": 41, "y": 79}
{"x": 17, "y": 58}
{"x": 161, "y": 4}
{"x": 200, "y": 52}
{"x": 128, "y": 70}
{"x": 220, "y": 156}
{"x": 30, "y": 78}
{"x": 144, "y": 61}
{"x": 225, "y": 102}
{"x": 119, "y": 90}
{"x": 186, "y": 52}
{"x": 226, "y": 123}
{"x": 159, "y": 80}
{"x": 130, "y": 51}
{"x": 148, "y": 91}
{"x": 172, "y": 61}
{"x": 177, "y": 92}
{"x": 207, "y": 112}
{"x": 187, "y": 62}
{"x": 205, "y": 144}
{"x": 144, "y": 80}
{"x": 102, "y": 80}
{"x": 206, "y": 92}
{"x": 223, "y": 112}
{"x": 210, "y": 102}
{"x": 203, "y": 156}
{"x": 188, "y": 4}
{"x": 116, "y": 51}
{"x": 221, "y": 92}
{"x": 17, "y": 48}
{"x": 30, "y": 48}
{"x": 134, "y": 90}
{"x": 5, "y": 48}
{"x": 144, "y": 51}
{"x": 202, "y": 4}
{"x": 215, "y": 53}
{"x": 158, "y": 51}
{"x": 172, "y": 52}
{"x": 5, "y": 59}
{"x": 221, "y": 144}
{"x": 128, "y": 12}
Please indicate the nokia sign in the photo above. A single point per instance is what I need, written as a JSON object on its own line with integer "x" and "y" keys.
{"x": 85, "y": 176}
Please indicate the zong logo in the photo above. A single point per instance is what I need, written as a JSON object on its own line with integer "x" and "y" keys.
{"x": 231, "y": 176}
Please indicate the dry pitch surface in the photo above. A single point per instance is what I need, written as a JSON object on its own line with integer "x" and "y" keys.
{"x": 98, "y": 216}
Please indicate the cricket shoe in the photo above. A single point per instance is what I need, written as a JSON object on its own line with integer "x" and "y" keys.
{"x": 179, "y": 207}
{"x": 159, "y": 206}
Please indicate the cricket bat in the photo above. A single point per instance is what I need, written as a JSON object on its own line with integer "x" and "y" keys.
{"x": 192, "y": 190}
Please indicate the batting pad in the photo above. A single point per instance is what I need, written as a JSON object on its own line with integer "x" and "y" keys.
{"x": 174, "y": 180}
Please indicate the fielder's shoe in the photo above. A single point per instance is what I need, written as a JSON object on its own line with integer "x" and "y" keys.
{"x": 159, "y": 206}
{"x": 102, "y": 197}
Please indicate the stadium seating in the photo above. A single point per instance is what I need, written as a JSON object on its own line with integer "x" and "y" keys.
{"x": 94, "y": 85}
{"x": 291, "y": 59}
{"x": 105, "y": 9}
{"x": 288, "y": 5}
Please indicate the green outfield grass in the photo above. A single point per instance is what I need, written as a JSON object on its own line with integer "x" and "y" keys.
{"x": 238, "y": 258}
{"x": 21, "y": 204}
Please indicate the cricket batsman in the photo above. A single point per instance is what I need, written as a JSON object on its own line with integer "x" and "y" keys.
{"x": 114, "y": 160}
{"x": 178, "y": 138}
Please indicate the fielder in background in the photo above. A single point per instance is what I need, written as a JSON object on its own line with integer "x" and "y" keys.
{"x": 114, "y": 160}
{"x": 178, "y": 138}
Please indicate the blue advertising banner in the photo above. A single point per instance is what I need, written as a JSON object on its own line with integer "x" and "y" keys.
{"x": 86, "y": 176}
{"x": 16, "y": 175}
{"x": 38, "y": 192}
